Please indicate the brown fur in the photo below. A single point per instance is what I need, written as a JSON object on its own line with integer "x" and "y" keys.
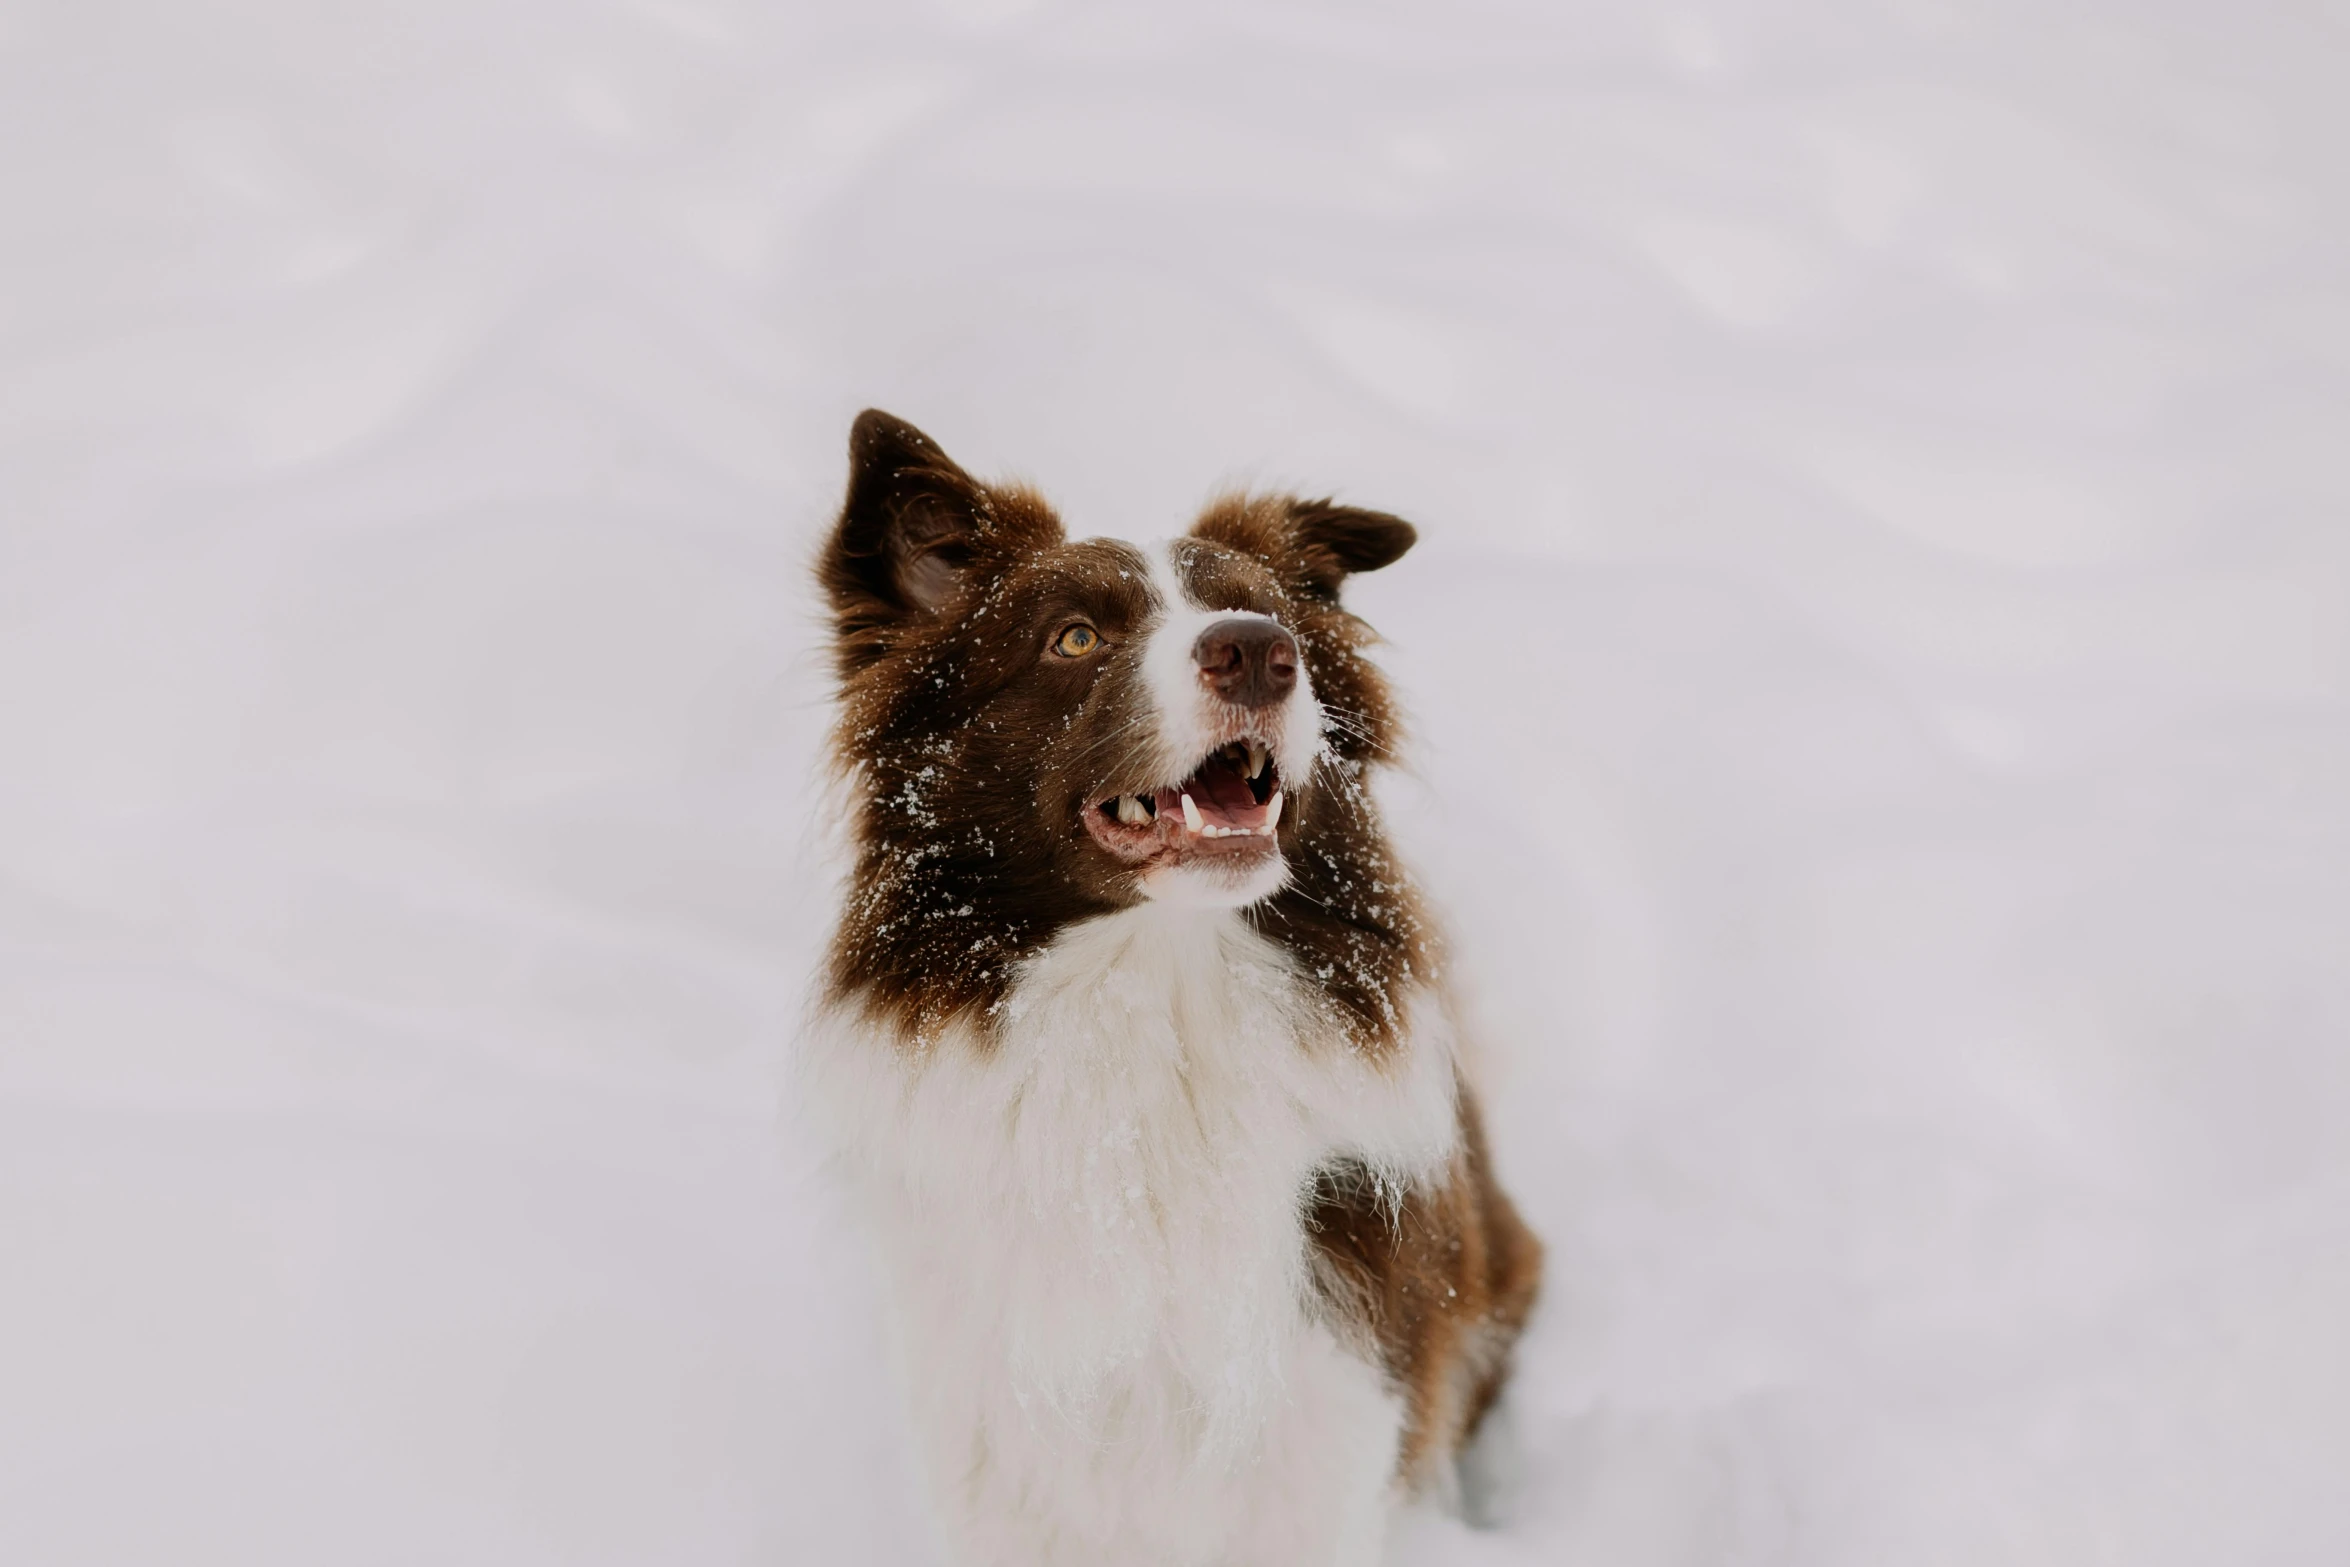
{"x": 965, "y": 780}
{"x": 1441, "y": 1280}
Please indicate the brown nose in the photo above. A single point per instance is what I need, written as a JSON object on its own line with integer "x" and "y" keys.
{"x": 1247, "y": 660}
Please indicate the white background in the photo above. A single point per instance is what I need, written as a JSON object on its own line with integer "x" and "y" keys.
{"x": 1880, "y": 651}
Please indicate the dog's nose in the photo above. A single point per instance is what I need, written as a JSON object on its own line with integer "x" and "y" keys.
{"x": 1247, "y": 660}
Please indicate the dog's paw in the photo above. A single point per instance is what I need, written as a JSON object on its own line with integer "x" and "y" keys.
{"x": 1491, "y": 1470}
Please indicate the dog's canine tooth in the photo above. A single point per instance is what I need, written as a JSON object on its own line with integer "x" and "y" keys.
{"x": 1273, "y": 812}
{"x": 1257, "y": 757}
{"x": 1191, "y": 816}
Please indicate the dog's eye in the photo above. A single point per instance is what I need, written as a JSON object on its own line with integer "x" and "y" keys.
{"x": 1077, "y": 641}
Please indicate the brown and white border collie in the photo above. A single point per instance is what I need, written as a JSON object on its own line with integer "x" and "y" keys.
{"x": 1135, "y": 1035}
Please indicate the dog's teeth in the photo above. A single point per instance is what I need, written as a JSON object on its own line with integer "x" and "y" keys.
{"x": 1191, "y": 815}
{"x": 1256, "y": 760}
{"x": 1130, "y": 811}
{"x": 1273, "y": 812}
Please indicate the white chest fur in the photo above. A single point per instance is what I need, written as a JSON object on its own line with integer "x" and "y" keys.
{"x": 1094, "y": 1234}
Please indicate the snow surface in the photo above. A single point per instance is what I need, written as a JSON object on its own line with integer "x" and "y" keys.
{"x": 1881, "y": 649}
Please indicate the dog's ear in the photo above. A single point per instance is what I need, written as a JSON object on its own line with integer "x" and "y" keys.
{"x": 1314, "y": 544}
{"x": 908, "y": 529}
{"x": 1329, "y": 541}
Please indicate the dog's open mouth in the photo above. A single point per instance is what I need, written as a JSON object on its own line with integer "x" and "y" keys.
{"x": 1230, "y": 805}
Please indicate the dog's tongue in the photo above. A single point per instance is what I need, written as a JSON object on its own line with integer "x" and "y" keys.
{"x": 1222, "y": 795}
{"x": 1226, "y": 790}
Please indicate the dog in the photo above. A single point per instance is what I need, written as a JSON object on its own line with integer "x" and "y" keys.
{"x": 1135, "y": 1036}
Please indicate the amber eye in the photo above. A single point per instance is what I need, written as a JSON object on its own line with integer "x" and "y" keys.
{"x": 1077, "y": 641}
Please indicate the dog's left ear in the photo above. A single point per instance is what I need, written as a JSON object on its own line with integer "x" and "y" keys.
{"x": 1331, "y": 541}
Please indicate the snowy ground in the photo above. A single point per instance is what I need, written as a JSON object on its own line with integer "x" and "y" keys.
{"x": 1881, "y": 647}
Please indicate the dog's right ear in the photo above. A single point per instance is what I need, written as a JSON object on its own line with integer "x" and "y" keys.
{"x": 910, "y": 526}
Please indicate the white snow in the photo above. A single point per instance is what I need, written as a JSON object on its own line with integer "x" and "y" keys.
{"x": 1881, "y": 649}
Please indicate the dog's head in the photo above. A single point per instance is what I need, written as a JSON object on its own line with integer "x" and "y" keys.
{"x": 1041, "y": 729}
